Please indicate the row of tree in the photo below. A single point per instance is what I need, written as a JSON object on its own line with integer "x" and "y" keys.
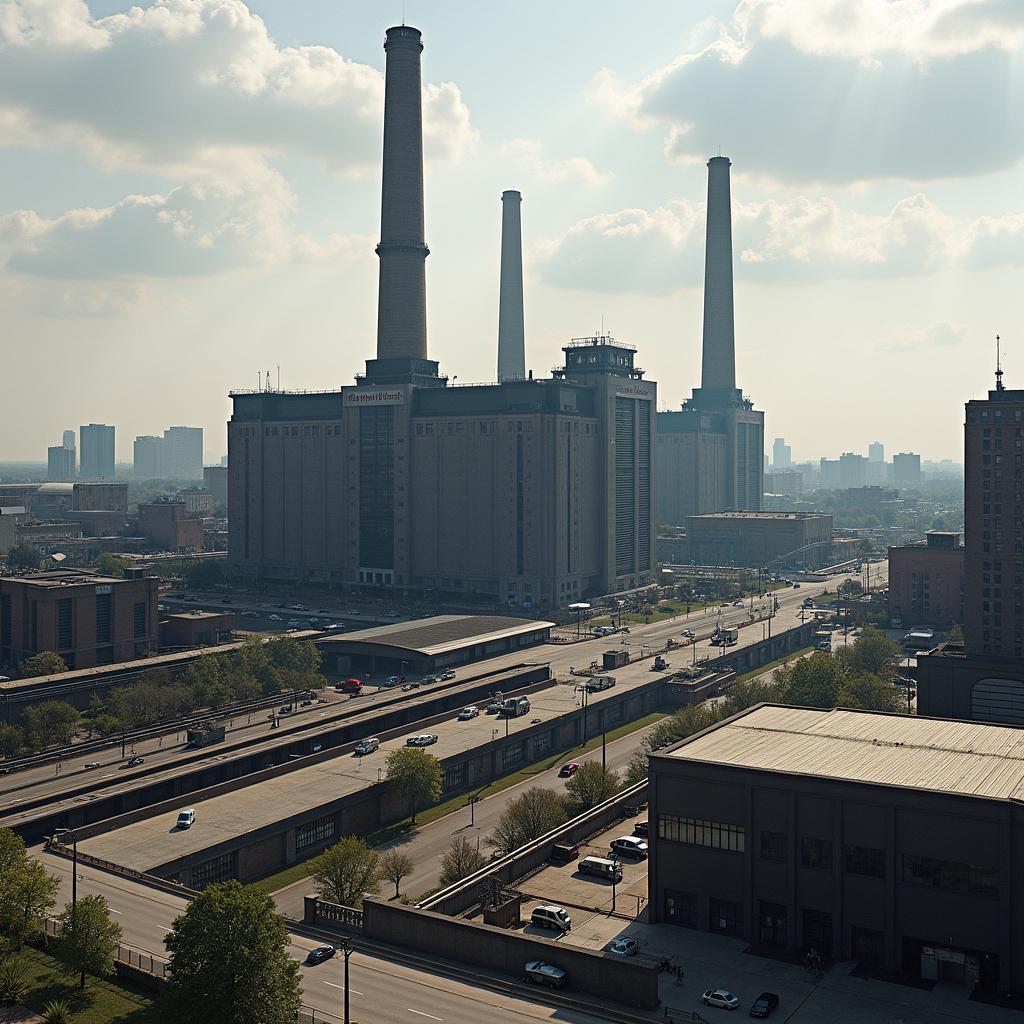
{"x": 259, "y": 668}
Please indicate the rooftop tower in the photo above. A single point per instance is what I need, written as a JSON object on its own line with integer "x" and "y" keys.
{"x": 718, "y": 364}
{"x": 511, "y": 332}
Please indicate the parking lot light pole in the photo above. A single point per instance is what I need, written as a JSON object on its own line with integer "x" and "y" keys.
{"x": 347, "y": 951}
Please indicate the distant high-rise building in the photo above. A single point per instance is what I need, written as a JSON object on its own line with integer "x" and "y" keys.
{"x": 60, "y": 463}
{"x": 853, "y": 470}
{"x": 782, "y": 454}
{"x": 906, "y": 469}
{"x": 829, "y": 473}
{"x": 183, "y": 453}
{"x": 96, "y": 460}
{"x": 876, "y": 452}
{"x": 149, "y": 461}
{"x": 711, "y": 452}
{"x": 69, "y": 439}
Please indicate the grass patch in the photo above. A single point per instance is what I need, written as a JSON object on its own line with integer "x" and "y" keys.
{"x": 778, "y": 663}
{"x": 385, "y": 835}
{"x": 104, "y": 1001}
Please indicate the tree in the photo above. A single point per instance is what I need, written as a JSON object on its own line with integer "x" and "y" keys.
{"x": 27, "y": 891}
{"x": 462, "y": 858}
{"x": 871, "y": 652}
{"x": 45, "y": 663}
{"x": 12, "y": 740}
{"x": 229, "y": 960}
{"x": 110, "y": 564}
{"x": 527, "y": 817}
{"x": 53, "y": 721}
{"x": 746, "y": 694}
{"x": 347, "y": 870}
{"x": 871, "y": 693}
{"x": 956, "y": 635}
{"x": 591, "y": 785}
{"x": 394, "y": 866}
{"x": 638, "y": 767}
{"x": 88, "y": 939}
{"x": 22, "y": 556}
{"x": 813, "y": 682}
{"x": 850, "y": 588}
{"x": 417, "y": 775}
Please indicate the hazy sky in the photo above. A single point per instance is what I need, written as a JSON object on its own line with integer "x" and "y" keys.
{"x": 190, "y": 196}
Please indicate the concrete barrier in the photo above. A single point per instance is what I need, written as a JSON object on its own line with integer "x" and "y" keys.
{"x": 589, "y": 973}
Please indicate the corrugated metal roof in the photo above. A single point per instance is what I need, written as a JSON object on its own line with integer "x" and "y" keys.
{"x": 971, "y": 758}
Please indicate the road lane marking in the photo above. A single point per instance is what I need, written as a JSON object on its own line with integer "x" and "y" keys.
{"x": 113, "y": 911}
{"x": 422, "y": 1014}
{"x": 354, "y": 991}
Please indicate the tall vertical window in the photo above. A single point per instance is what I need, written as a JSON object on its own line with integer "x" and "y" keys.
{"x": 139, "y": 620}
{"x": 65, "y": 634}
{"x": 104, "y": 629}
{"x": 625, "y": 486}
{"x": 377, "y": 488}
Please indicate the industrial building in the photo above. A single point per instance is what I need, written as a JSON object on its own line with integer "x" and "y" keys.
{"x": 529, "y": 492}
{"x": 86, "y": 618}
{"x": 710, "y": 454}
{"x": 760, "y": 538}
{"x": 926, "y": 581}
{"x": 887, "y": 839}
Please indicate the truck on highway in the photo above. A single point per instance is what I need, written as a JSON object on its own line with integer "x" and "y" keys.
{"x": 351, "y": 685}
{"x": 728, "y": 635}
{"x": 514, "y": 707}
{"x": 599, "y": 682}
{"x": 205, "y": 734}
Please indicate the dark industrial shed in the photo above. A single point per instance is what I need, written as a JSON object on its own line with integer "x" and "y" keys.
{"x": 431, "y": 645}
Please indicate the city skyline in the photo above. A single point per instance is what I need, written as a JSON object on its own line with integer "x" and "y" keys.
{"x": 148, "y": 249}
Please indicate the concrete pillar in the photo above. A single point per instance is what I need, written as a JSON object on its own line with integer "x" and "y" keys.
{"x": 402, "y": 296}
{"x": 718, "y": 364}
{"x": 511, "y": 332}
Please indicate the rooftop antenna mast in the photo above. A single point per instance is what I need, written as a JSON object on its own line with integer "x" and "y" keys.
{"x": 268, "y": 380}
{"x": 999, "y": 366}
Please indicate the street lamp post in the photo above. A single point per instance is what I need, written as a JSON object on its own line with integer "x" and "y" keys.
{"x": 74, "y": 870}
{"x": 347, "y": 951}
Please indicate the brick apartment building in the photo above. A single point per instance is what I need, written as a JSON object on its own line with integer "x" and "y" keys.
{"x": 167, "y": 525}
{"x": 926, "y": 581}
{"x": 86, "y": 618}
{"x": 100, "y": 497}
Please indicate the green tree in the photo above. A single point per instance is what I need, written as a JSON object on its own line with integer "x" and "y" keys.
{"x": 395, "y": 865}
{"x": 88, "y": 939}
{"x": 347, "y": 870}
{"x": 53, "y": 721}
{"x": 230, "y": 961}
{"x": 22, "y": 556}
{"x": 871, "y": 693}
{"x": 528, "y": 816}
{"x": 850, "y": 588}
{"x": 27, "y": 891}
{"x": 638, "y": 767}
{"x": 813, "y": 682}
{"x": 591, "y": 785}
{"x": 746, "y": 694}
{"x": 110, "y": 564}
{"x": 461, "y": 859}
{"x": 12, "y": 740}
{"x": 871, "y": 652}
{"x": 956, "y": 635}
{"x": 45, "y": 663}
{"x": 415, "y": 774}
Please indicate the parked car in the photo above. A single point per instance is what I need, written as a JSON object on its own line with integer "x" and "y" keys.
{"x": 640, "y": 829}
{"x": 540, "y": 973}
{"x": 630, "y": 845}
{"x": 549, "y": 916}
{"x": 427, "y": 680}
{"x": 392, "y": 681}
{"x": 623, "y": 947}
{"x": 567, "y": 769}
{"x": 764, "y": 1004}
{"x": 424, "y": 739}
{"x": 367, "y": 746}
{"x": 824, "y": 645}
{"x": 467, "y": 713}
{"x": 186, "y": 818}
{"x": 721, "y": 998}
{"x": 320, "y": 954}
{"x": 448, "y": 675}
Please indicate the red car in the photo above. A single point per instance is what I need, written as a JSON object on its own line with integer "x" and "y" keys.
{"x": 567, "y": 769}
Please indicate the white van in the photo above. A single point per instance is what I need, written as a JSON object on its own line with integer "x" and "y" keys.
{"x": 186, "y": 818}
{"x": 367, "y": 746}
{"x": 551, "y": 917}
{"x": 601, "y": 867}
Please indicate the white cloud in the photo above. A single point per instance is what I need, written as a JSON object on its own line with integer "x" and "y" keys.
{"x": 923, "y": 337}
{"x": 842, "y": 90}
{"x": 804, "y": 239}
{"x": 527, "y": 155}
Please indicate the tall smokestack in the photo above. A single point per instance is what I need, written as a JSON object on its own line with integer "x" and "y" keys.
{"x": 511, "y": 334}
{"x": 718, "y": 366}
{"x": 402, "y": 295}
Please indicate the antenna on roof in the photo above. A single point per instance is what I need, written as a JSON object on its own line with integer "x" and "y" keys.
{"x": 999, "y": 366}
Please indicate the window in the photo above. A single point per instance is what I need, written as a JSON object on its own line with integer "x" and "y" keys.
{"x": 698, "y": 832}
{"x": 65, "y": 633}
{"x": 220, "y": 869}
{"x": 512, "y": 754}
{"x": 313, "y": 833}
{"x": 865, "y": 860}
{"x": 103, "y": 617}
{"x": 771, "y": 923}
{"x": 726, "y": 917}
{"x": 681, "y": 907}
{"x": 816, "y": 853}
{"x": 773, "y": 845}
{"x": 455, "y": 776}
{"x": 950, "y": 876}
{"x": 139, "y": 620}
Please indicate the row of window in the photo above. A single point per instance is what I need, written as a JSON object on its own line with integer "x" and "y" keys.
{"x": 700, "y": 832}
{"x": 314, "y": 833}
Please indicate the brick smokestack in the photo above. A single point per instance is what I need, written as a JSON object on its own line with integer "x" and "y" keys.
{"x": 718, "y": 365}
{"x": 402, "y": 295}
{"x": 511, "y": 334}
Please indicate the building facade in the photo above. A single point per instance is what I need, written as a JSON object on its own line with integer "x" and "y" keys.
{"x": 148, "y": 458}
{"x": 97, "y": 451}
{"x": 183, "y": 453}
{"x": 886, "y": 839}
{"x": 760, "y": 538}
{"x": 906, "y": 469}
{"x": 926, "y": 581}
{"x": 167, "y": 526}
{"x": 215, "y": 480}
{"x": 60, "y": 463}
{"x": 100, "y": 497}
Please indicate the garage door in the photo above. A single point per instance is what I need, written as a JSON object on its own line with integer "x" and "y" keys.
{"x": 998, "y": 700}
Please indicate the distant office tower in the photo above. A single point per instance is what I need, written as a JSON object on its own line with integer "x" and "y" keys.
{"x": 149, "y": 462}
{"x": 906, "y": 469}
{"x": 215, "y": 480}
{"x": 183, "y": 453}
{"x": 69, "y": 439}
{"x": 96, "y": 460}
{"x": 511, "y": 331}
{"x": 853, "y": 470}
{"x": 829, "y": 473}
{"x": 876, "y": 452}
{"x": 710, "y": 453}
{"x": 60, "y": 463}
{"x": 782, "y": 454}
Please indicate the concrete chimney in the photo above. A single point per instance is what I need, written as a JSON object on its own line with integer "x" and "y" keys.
{"x": 718, "y": 365}
{"x": 402, "y": 295}
{"x": 511, "y": 334}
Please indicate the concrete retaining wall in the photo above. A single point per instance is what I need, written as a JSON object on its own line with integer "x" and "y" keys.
{"x": 589, "y": 973}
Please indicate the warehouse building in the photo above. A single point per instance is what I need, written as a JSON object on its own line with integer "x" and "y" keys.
{"x": 887, "y": 839}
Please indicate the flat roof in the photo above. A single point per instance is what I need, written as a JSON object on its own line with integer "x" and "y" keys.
{"x": 442, "y": 633}
{"x": 762, "y": 515}
{"x": 62, "y": 578}
{"x": 941, "y": 755}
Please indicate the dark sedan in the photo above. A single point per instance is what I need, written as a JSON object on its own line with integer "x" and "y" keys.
{"x": 322, "y": 953}
{"x": 764, "y": 1004}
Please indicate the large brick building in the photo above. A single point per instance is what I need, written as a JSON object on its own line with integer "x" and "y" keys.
{"x": 926, "y": 581}
{"x": 760, "y": 538}
{"x": 86, "y": 618}
{"x": 167, "y": 526}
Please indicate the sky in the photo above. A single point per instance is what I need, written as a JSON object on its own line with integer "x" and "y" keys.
{"x": 190, "y": 197}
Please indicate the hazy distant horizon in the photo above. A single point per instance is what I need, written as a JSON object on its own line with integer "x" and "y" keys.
{"x": 218, "y": 219}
